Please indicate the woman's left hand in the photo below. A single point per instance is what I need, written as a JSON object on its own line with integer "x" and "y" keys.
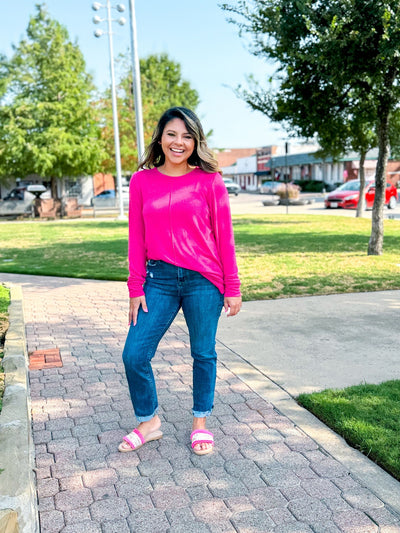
{"x": 232, "y": 305}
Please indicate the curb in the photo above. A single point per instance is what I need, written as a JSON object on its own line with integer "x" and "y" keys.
{"x": 372, "y": 476}
{"x": 18, "y": 500}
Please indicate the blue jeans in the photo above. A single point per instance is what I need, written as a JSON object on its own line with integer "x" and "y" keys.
{"x": 169, "y": 288}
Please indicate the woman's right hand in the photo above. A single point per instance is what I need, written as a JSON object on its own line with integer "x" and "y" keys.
{"x": 134, "y": 305}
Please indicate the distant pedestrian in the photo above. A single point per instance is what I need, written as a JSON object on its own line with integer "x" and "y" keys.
{"x": 181, "y": 255}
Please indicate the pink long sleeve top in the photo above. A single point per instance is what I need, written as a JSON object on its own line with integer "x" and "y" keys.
{"x": 182, "y": 220}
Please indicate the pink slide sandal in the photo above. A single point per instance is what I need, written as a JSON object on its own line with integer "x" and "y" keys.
{"x": 135, "y": 440}
{"x": 201, "y": 436}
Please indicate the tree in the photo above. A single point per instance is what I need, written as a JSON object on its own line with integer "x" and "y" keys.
{"x": 348, "y": 130}
{"x": 47, "y": 121}
{"x": 162, "y": 87}
{"x": 338, "y": 73}
{"x": 310, "y": 107}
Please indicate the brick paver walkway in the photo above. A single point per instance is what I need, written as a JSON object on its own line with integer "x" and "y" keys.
{"x": 264, "y": 476}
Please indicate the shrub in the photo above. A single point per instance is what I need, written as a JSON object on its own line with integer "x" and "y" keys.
{"x": 292, "y": 192}
{"x": 315, "y": 186}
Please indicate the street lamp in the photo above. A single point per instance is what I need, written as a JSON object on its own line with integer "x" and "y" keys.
{"x": 96, "y": 6}
{"x": 136, "y": 82}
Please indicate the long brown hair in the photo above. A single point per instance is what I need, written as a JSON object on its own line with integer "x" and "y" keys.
{"x": 202, "y": 155}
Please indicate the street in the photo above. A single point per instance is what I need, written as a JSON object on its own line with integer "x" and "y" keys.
{"x": 251, "y": 203}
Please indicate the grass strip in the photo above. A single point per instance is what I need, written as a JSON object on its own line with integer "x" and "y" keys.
{"x": 366, "y": 416}
{"x": 279, "y": 256}
{"x": 4, "y": 303}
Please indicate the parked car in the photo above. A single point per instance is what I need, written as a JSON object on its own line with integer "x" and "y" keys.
{"x": 346, "y": 196}
{"x": 125, "y": 194}
{"x": 270, "y": 187}
{"x": 19, "y": 201}
{"x": 231, "y": 186}
{"x": 104, "y": 199}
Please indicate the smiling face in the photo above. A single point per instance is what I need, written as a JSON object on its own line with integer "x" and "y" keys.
{"x": 177, "y": 144}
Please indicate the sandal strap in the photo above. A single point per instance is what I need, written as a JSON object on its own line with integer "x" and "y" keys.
{"x": 200, "y": 436}
{"x": 134, "y": 439}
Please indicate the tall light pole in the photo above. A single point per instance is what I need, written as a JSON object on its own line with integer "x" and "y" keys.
{"x": 136, "y": 82}
{"x": 287, "y": 177}
{"x": 98, "y": 33}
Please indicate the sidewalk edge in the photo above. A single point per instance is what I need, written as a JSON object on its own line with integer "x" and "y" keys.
{"x": 372, "y": 476}
{"x": 17, "y": 478}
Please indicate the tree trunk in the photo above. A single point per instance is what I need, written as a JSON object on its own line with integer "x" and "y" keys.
{"x": 53, "y": 188}
{"x": 361, "y": 200}
{"x": 375, "y": 245}
{"x": 63, "y": 195}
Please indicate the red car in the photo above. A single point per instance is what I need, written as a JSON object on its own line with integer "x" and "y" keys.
{"x": 346, "y": 196}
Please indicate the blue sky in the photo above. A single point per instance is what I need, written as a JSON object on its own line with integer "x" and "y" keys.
{"x": 194, "y": 33}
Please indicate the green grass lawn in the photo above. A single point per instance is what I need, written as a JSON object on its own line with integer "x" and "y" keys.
{"x": 279, "y": 256}
{"x": 284, "y": 256}
{"x": 4, "y": 303}
{"x": 367, "y": 416}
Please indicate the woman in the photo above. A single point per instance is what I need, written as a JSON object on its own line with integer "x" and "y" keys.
{"x": 181, "y": 255}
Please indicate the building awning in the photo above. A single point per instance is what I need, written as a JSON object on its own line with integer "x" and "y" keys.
{"x": 264, "y": 172}
{"x": 292, "y": 160}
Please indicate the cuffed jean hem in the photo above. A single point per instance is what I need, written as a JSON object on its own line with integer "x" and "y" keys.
{"x": 146, "y": 418}
{"x": 200, "y": 414}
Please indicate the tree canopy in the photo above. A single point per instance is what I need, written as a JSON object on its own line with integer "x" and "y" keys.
{"x": 53, "y": 125}
{"x": 162, "y": 87}
{"x": 47, "y": 120}
{"x": 337, "y": 74}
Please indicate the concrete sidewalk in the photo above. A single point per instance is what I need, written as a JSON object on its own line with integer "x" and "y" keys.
{"x": 265, "y": 475}
{"x": 314, "y": 343}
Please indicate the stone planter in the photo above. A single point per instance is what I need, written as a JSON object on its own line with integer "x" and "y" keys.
{"x": 271, "y": 199}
